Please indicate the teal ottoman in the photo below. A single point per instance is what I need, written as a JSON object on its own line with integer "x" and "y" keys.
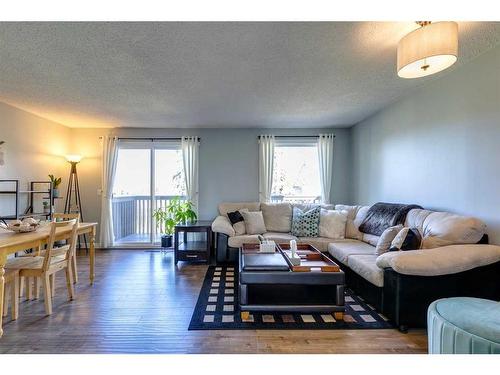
{"x": 464, "y": 325}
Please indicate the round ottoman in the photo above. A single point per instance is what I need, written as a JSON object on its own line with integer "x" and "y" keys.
{"x": 464, "y": 325}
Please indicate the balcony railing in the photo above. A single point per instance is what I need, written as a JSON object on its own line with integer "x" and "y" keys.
{"x": 295, "y": 198}
{"x": 133, "y": 215}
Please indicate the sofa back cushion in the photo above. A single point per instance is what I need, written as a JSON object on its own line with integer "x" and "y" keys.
{"x": 332, "y": 224}
{"x": 415, "y": 219}
{"x": 310, "y": 206}
{"x": 445, "y": 228}
{"x": 277, "y": 216}
{"x": 371, "y": 239}
{"x": 355, "y": 216}
{"x": 226, "y": 207}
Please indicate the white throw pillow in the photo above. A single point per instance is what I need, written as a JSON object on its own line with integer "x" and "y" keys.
{"x": 386, "y": 238}
{"x": 332, "y": 224}
{"x": 254, "y": 222}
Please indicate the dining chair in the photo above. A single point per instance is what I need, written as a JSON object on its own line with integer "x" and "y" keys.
{"x": 40, "y": 252}
{"x": 54, "y": 259}
{"x": 11, "y": 279}
{"x": 63, "y": 216}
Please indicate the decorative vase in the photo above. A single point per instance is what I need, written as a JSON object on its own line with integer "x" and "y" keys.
{"x": 166, "y": 240}
{"x": 55, "y": 193}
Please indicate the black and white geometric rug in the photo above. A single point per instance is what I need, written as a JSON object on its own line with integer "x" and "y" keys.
{"x": 218, "y": 308}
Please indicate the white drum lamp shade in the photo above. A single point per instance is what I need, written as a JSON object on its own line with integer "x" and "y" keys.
{"x": 428, "y": 50}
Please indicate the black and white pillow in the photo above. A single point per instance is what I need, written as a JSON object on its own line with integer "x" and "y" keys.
{"x": 406, "y": 239}
{"x": 237, "y": 221}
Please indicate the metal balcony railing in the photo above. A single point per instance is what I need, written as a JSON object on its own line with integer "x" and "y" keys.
{"x": 133, "y": 214}
{"x": 295, "y": 198}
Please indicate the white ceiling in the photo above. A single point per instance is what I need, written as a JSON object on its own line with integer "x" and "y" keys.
{"x": 211, "y": 74}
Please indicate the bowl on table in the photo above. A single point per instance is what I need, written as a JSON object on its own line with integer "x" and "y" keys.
{"x": 25, "y": 226}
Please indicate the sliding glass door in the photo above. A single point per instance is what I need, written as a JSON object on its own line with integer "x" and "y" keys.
{"x": 168, "y": 181}
{"x": 148, "y": 176}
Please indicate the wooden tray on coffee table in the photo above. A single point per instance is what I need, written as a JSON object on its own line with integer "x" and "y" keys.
{"x": 311, "y": 259}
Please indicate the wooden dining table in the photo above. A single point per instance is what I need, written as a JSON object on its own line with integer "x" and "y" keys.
{"x": 11, "y": 243}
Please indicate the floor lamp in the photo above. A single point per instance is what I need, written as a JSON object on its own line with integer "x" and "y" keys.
{"x": 73, "y": 202}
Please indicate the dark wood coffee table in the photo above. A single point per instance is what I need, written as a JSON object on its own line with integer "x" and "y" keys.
{"x": 268, "y": 283}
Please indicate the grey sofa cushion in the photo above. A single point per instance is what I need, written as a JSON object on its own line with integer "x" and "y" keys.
{"x": 277, "y": 216}
{"x": 342, "y": 250}
{"x": 366, "y": 267}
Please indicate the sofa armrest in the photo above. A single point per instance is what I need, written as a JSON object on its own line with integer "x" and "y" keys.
{"x": 440, "y": 260}
{"x": 222, "y": 224}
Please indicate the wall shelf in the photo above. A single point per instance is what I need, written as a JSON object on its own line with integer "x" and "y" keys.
{"x": 32, "y": 193}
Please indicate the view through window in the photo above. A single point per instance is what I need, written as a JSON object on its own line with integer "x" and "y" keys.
{"x": 133, "y": 202}
{"x": 296, "y": 174}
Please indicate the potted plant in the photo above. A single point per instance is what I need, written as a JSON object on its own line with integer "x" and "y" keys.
{"x": 46, "y": 207}
{"x": 174, "y": 213}
{"x": 56, "y": 181}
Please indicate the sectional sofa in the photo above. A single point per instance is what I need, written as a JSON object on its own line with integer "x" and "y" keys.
{"x": 454, "y": 259}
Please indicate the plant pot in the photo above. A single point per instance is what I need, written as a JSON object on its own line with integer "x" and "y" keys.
{"x": 55, "y": 193}
{"x": 166, "y": 240}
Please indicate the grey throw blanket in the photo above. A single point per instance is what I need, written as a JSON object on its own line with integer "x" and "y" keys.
{"x": 381, "y": 216}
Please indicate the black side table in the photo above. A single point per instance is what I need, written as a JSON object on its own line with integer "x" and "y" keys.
{"x": 193, "y": 250}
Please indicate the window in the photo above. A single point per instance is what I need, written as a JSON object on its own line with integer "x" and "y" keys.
{"x": 296, "y": 173}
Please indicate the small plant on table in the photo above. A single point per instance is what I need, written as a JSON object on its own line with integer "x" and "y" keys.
{"x": 174, "y": 213}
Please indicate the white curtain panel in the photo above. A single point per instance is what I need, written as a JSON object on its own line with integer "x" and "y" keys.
{"x": 325, "y": 156}
{"x": 266, "y": 167}
{"x": 190, "y": 151}
{"x": 109, "y": 158}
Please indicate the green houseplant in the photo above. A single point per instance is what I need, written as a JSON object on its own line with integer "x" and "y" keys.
{"x": 175, "y": 212}
{"x": 56, "y": 181}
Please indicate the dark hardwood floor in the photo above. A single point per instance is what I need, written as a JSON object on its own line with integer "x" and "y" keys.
{"x": 142, "y": 303}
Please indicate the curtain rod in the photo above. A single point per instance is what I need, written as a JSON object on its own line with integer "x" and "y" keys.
{"x": 151, "y": 139}
{"x": 296, "y": 136}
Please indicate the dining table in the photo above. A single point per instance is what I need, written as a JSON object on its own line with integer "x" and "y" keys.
{"x": 11, "y": 243}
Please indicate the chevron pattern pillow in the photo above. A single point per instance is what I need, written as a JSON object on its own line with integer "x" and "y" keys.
{"x": 306, "y": 223}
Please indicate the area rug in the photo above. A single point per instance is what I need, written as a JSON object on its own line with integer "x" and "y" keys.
{"x": 218, "y": 308}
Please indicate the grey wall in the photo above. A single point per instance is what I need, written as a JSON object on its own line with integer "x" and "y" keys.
{"x": 439, "y": 147}
{"x": 228, "y": 163}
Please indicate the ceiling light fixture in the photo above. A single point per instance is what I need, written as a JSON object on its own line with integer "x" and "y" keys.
{"x": 428, "y": 50}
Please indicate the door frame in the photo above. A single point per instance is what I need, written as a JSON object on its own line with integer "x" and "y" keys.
{"x": 152, "y": 146}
